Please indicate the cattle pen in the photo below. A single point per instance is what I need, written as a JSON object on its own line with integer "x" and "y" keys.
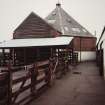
{"x": 29, "y": 65}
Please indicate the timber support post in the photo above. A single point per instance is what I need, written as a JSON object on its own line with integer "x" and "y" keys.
{"x": 33, "y": 79}
{"x": 51, "y": 73}
{"x": 80, "y": 48}
{"x": 9, "y": 84}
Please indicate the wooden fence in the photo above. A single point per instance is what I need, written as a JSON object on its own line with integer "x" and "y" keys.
{"x": 26, "y": 81}
{"x": 4, "y": 88}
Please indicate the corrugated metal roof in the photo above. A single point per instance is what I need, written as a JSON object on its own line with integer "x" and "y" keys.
{"x": 36, "y": 42}
{"x": 63, "y": 22}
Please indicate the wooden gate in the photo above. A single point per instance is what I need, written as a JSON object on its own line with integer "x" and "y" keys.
{"x": 26, "y": 81}
{"x": 4, "y": 88}
{"x": 62, "y": 65}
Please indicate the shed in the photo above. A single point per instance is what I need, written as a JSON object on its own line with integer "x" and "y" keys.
{"x": 26, "y": 51}
{"x": 101, "y": 53}
{"x": 33, "y": 63}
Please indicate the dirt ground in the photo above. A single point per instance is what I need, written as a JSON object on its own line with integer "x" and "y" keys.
{"x": 81, "y": 86}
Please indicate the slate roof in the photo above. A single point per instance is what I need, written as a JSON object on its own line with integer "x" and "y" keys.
{"x": 63, "y": 22}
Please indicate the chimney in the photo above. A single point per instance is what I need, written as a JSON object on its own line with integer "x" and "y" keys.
{"x": 58, "y": 4}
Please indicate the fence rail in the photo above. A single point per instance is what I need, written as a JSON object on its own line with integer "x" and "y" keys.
{"x": 4, "y": 88}
{"x": 25, "y": 82}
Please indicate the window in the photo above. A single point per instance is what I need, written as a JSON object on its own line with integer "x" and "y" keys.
{"x": 69, "y": 20}
{"x": 76, "y": 29}
{"x": 53, "y": 13}
{"x": 51, "y": 21}
{"x": 66, "y": 28}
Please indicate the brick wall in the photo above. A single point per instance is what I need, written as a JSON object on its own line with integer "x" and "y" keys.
{"x": 87, "y": 43}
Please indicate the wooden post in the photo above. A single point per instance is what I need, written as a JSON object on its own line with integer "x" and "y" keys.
{"x": 66, "y": 62}
{"x": 25, "y": 60}
{"x": 52, "y": 53}
{"x": 72, "y": 52}
{"x": 0, "y": 58}
{"x": 13, "y": 57}
{"x": 37, "y": 54}
{"x": 58, "y": 53}
{"x": 33, "y": 79}
{"x": 51, "y": 74}
{"x": 72, "y": 61}
{"x": 9, "y": 84}
{"x": 80, "y": 48}
{"x": 3, "y": 51}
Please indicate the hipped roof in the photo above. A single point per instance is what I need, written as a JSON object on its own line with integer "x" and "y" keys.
{"x": 63, "y": 22}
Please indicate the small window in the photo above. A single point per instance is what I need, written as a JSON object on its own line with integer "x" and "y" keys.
{"x": 66, "y": 28}
{"x": 76, "y": 29}
{"x": 69, "y": 20}
{"x": 53, "y": 13}
{"x": 51, "y": 21}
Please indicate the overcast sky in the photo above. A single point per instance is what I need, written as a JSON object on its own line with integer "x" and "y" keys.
{"x": 89, "y": 13}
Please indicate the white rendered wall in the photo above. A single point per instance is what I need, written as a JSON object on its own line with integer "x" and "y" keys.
{"x": 87, "y": 55}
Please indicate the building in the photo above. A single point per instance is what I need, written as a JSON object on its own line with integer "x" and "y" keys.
{"x": 84, "y": 42}
{"x": 101, "y": 53}
{"x": 101, "y": 39}
{"x": 34, "y": 27}
{"x": 33, "y": 40}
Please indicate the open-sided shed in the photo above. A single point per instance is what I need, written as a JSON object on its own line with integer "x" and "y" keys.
{"x": 32, "y": 64}
{"x": 26, "y": 51}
